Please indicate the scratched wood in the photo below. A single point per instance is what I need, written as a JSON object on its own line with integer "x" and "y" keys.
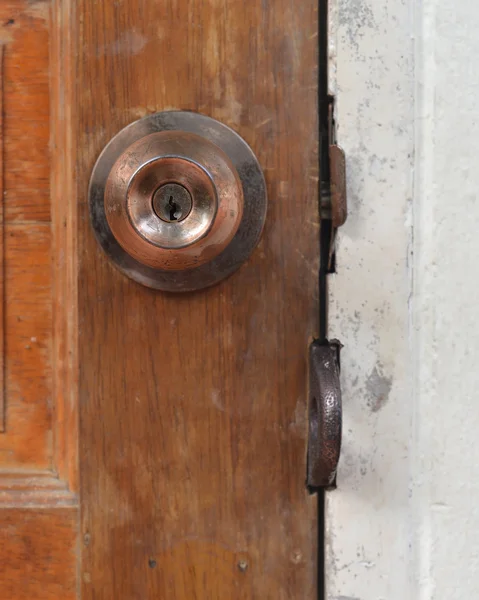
{"x": 24, "y": 28}
{"x": 26, "y": 280}
{"x": 38, "y": 553}
{"x": 38, "y": 501}
{"x": 193, "y": 408}
{"x": 64, "y": 242}
{"x": 28, "y": 323}
{"x": 2, "y": 259}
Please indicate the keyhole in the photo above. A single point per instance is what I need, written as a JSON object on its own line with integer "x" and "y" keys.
{"x": 172, "y": 202}
{"x": 175, "y": 211}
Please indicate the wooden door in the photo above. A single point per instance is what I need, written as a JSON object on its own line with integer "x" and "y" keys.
{"x": 154, "y": 445}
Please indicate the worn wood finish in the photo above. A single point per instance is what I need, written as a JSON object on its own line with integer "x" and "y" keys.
{"x": 38, "y": 503}
{"x": 64, "y": 240}
{"x": 2, "y": 258}
{"x": 28, "y": 324}
{"x": 40, "y": 563}
{"x": 193, "y": 408}
{"x": 26, "y": 295}
{"x": 25, "y": 30}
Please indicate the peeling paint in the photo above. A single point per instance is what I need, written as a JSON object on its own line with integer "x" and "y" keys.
{"x": 6, "y": 36}
{"x": 39, "y": 9}
{"x": 217, "y": 401}
{"x": 378, "y": 387}
{"x": 354, "y": 17}
{"x": 128, "y": 43}
{"x": 299, "y": 424}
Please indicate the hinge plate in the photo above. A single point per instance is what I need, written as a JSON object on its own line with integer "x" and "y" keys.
{"x": 333, "y": 192}
{"x": 325, "y": 414}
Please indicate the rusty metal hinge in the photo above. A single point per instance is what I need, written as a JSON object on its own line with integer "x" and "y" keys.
{"x": 325, "y": 410}
{"x": 333, "y": 199}
{"x": 325, "y": 414}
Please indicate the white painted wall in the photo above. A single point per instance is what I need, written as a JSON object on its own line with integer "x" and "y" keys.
{"x": 404, "y": 521}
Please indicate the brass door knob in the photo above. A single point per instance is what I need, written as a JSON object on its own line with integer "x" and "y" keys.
{"x": 177, "y": 201}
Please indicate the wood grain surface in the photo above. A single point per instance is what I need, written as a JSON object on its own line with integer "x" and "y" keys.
{"x": 28, "y": 324}
{"x": 193, "y": 407}
{"x": 2, "y": 257}
{"x": 24, "y": 30}
{"x": 40, "y": 563}
{"x": 38, "y": 503}
{"x": 26, "y": 294}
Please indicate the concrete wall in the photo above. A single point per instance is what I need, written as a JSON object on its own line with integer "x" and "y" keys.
{"x": 404, "y": 521}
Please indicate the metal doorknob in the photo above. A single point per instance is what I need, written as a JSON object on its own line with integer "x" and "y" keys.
{"x": 177, "y": 201}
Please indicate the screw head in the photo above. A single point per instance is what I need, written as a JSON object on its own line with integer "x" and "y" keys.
{"x": 242, "y": 565}
{"x": 172, "y": 202}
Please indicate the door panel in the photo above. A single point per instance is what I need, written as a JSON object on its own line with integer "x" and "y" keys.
{"x": 38, "y": 553}
{"x": 38, "y": 456}
{"x": 26, "y": 336}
